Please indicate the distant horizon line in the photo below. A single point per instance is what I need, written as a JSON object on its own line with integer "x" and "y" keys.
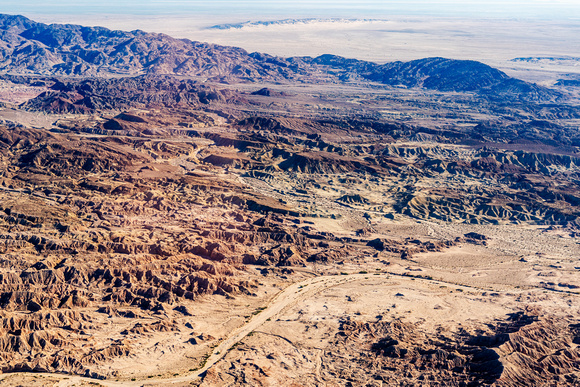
{"x": 250, "y": 19}
{"x": 260, "y": 10}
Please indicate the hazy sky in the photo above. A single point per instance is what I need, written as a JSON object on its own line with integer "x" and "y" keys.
{"x": 329, "y": 8}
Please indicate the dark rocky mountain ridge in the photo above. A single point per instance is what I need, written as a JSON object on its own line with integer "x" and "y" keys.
{"x": 90, "y": 95}
{"x": 31, "y": 48}
{"x": 71, "y": 50}
{"x": 440, "y": 74}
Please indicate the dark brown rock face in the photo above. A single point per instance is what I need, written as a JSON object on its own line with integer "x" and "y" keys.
{"x": 525, "y": 349}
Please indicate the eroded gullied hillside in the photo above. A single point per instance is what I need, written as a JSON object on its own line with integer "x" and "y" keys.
{"x": 425, "y": 234}
{"x": 110, "y": 242}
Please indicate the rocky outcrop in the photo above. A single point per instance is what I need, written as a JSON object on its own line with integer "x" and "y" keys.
{"x": 524, "y": 349}
{"x": 409, "y": 246}
{"x": 122, "y": 93}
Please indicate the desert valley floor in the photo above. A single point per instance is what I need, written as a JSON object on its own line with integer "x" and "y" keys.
{"x": 177, "y": 213}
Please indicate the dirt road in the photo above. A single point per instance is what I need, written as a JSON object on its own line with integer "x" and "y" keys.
{"x": 286, "y": 298}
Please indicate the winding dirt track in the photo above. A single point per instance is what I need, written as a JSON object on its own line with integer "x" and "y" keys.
{"x": 283, "y": 300}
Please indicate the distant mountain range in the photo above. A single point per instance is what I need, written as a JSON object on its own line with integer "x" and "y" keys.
{"x": 230, "y": 26}
{"x": 31, "y": 48}
{"x": 560, "y": 60}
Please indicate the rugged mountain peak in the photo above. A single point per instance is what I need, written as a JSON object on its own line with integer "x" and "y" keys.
{"x": 15, "y": 22}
